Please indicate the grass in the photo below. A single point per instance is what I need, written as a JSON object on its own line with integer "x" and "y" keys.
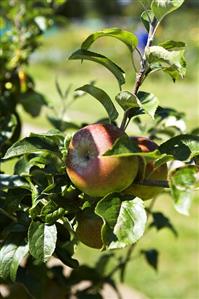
{"x": 178, "y": 274}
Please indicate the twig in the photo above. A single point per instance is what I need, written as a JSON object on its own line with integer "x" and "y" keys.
{"x": 144, "y": 69}
{"x": 154, "y": 183}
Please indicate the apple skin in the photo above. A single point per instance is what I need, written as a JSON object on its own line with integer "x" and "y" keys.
{"x": 90, "y": 171}
{"x": 89, "y": 229}
{"x": 150, "y": 173}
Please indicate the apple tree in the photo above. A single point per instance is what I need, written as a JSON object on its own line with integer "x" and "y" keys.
{"x": 91, "y": 183}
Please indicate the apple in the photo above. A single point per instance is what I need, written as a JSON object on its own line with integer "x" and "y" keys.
{"x": 90, "y": 171}
{"x": 89, "y": 228}
{"x": 147, "y": 171}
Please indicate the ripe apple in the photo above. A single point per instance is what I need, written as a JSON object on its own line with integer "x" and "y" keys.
{"x": 90, "y": 171}
{"x": 147, "y": 171}
{"x": 89, "y": 228}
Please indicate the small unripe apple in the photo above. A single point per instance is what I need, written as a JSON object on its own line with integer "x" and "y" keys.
{"x": 89, "y": 228}
{"x": 147, "y": 171}
{"x": 90, "y": 171}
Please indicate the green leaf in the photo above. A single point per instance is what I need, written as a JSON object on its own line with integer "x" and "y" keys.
{"x": 148, "y": 102}
{"x": 14, "y": 198}
{"x": 127, "y": 100}
{"x": 7, "y": 127}
{"x": 66, "y": 258}
{"x": 42, "y": 240}
{"x": 147, "y": 17}
{"x": 151, "y": 256}
{"x": 160, "y": 221}
{"x": 171, "y": 62}
{"x": 35, "y": 143}
{"x": 182, "y": 147}
{"x": 145, "y": 101}
{"x": 183, "y": 182}
{"x": 110, "y": 65}
{"x": 84, "y": 272}
{"x": 103, "y": 98}
{"x": 51, "y": 212}
{"x": 103, "y": 263}
{"x": 58, "y": 88}
{"x": 161, "y": 8}
{"x": 124, "y": 220}
{"x": 32, "y": 102}
{"x": 12, "y": 182}
{"x": 12, "y": 252}
{"x": 145, "y": 3}
{"x": 126, "y": 147}
{"x": 173, "y": 45}
{"x": 128, "y": 38}
{"x": 61, "y": 124}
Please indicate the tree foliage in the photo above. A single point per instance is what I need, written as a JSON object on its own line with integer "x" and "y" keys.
{"x": 39, "y": 205}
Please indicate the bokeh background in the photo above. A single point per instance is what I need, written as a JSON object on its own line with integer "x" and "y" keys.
{"x": 178, "y": 272}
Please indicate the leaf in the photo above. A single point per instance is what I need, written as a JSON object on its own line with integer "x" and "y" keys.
{"x": 103, "y": 98}
{"x": 183, "y": 182}
{"x": 173, "y": 45}
{"x": 151, "y": 256}
{"x": 147, "y": 16}
{"x": 34, "y": 278}
{"x": 162, "y": 160}
{"x": 32, "y": 102}
{"x": 50, "y": 213}
{"x": 65, "y": 257}
{"x": 124, "y": 220}
{"x": 127, "y": 100}
{"x": 35, "y": 143}
{"x": 12, "y": 182}
{"x": 149, "y": 102}
{"x": 42, "y": 240}
{"x": 110, "y": 65}
{"x": 12, "y": 252}
{"x": 126, "y": 147}
{"x": 7, "y": 127}
{"x": 58, "y": 88}
{"x": 182, "y": 147}
{"x": 160, "y": 221}
{"x": 84, "y": 272}
{"x": 171, "y": 62}
{"x": 163, "y": 113}
{"x": 161, "y": 8}
{"x": 144, "y": 102}
{"x": 61, "y": 124}
{"x": 103, "y": 262}
{"x": 14, "y": 198}
{"x": 128, "y": 38}
{"x": 145, "y": 3}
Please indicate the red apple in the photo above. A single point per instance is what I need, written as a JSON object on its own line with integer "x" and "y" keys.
{"x": 147, "y": 171}
{"x": 90, "y": 171}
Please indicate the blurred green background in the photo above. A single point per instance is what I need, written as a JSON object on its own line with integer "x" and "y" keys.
{"x": 178, "y": 274}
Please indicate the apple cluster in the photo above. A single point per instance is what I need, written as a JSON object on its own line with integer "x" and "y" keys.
{"x": 98, "y": 175}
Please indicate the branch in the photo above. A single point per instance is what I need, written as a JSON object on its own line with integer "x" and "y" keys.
{"x": 154, "y": 183}
{"x": 144, "y": 69}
